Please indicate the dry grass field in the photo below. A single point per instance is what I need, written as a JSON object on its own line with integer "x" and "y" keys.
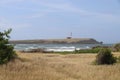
{"x": 38, "y": 66}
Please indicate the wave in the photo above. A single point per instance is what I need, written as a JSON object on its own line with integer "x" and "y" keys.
{"x": 51, "y": 49}
{"x": 54, "y": 47}
{"x": 60, "y": 49}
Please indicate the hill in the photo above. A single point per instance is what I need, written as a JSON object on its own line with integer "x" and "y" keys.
{"x": 46, "y": 41}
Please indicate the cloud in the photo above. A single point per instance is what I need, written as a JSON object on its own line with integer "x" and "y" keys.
{"x": 64, "y": 6}
{"x": 6, "y": 24}
{"x": 34, "y": 16}
{"x": 10, "y": 1}
{"x": 7, "y": 2}
{"x": 53, "y": 6}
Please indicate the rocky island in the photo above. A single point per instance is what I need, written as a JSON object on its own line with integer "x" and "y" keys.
{"x": 57, "y": 41}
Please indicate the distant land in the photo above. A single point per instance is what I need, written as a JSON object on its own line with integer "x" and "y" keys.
{"x": 57, "y": 41}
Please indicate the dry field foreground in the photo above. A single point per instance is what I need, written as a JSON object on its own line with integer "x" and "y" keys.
{"x": 58, "y": 67}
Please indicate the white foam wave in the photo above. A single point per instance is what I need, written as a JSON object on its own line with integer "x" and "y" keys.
{"x": 61, "y": 49}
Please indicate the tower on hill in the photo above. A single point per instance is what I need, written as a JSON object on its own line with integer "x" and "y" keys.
{"x": 70, "y": 37}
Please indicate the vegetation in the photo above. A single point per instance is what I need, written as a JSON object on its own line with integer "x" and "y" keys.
{"x": 6, "y": 51}
{"x": 88, "y": 50}
{"x": 116, "y": 47}
{"x": 118, "y": 59}
{"x": 105, "y": 57}
{"x": 58, "y": 67}
{"x": 93, "y": 50}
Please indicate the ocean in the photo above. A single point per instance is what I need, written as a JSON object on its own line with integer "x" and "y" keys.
{"x": 56, "y": 47}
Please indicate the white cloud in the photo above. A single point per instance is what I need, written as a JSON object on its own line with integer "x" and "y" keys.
{"x": 6, "y": 24}
{"x": 64, "y": 6}
{"x": 72, "y": 8}
{"x": 52, "y": 6}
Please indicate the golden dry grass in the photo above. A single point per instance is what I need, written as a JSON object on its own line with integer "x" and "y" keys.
{"x": 58, "y": 67}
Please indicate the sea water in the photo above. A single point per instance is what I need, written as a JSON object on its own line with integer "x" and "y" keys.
{"x": 57, "y": 47}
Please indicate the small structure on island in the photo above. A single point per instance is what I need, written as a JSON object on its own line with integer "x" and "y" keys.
{"x": 70, "y": 37}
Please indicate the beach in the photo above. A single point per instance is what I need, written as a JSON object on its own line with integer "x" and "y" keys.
{"x": 49, "y": 66}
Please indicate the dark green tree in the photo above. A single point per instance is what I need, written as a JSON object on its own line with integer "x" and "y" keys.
{"x": 7, "y": 52}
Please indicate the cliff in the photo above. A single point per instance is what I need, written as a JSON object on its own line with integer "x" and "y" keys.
{"x": 51, "y": 41}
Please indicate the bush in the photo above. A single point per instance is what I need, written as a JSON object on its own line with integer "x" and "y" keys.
{"x": 7, "y": 52}
{"x": 118, "y": 59}
{"x": 116, "y": 47}
{"x": 105, "y": 57}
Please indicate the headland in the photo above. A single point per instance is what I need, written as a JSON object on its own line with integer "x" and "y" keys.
{"x": 57, "y": 41}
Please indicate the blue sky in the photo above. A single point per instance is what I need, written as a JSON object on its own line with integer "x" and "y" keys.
{"x": 43, "y": 19}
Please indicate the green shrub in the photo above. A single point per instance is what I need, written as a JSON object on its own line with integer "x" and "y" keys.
{"x": 94, "y": 50}
{"x": 116, "y": 47}
{"x": 7, "y": 52}
{"x": 118, "y": 59}
{"x": 105, "y": 57}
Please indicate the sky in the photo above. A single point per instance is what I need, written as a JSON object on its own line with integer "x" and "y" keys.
{"x": 47, "y": 19}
